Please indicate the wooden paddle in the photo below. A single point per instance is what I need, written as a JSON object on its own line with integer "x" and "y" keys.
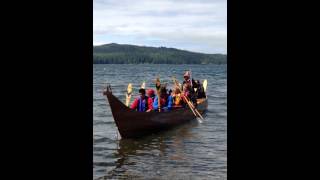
{"x": 143, "y": 85}
{"x": 128, "y": 94}
{"x": 193, "y": 109}
{"x": 205, "y": 84}
{"x": 158, "y": 84}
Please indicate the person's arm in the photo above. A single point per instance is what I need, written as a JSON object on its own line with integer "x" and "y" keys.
{"x": 150, "y": 105}
{"x": 186, "y": 93}
{"x": 134, "y": 105}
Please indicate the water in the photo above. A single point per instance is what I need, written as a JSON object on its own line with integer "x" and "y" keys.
{"x": 191, "y": 151}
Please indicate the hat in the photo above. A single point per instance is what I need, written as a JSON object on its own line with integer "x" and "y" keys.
{"x": 186, "y": 74}
{"x": 150, "y": 92}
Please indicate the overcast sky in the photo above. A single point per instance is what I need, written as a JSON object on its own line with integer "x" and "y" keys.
{"x": 194, "y": 25}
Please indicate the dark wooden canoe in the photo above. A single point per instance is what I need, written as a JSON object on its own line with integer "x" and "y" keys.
{"x": 132, "y": 124}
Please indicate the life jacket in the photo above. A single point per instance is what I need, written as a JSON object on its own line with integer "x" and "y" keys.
{"x": 142, "y": 104}
{"x": 152, "y": 97}
{"x": 164, "y": 101}
{"x": 177, "y": 100}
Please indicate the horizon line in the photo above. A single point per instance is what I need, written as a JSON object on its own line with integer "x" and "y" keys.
{"x": 157, "y": 47}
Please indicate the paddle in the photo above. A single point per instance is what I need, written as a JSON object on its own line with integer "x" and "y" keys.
{"x": 186, "y": 100}
{"x": 193, "y": 109}
{"x": 205, "y": 84}
{"x": 158, "y": 84}
{"x": 190, "y": 77}
{"x": 128, "y": 94}
{"x": 143, "y": 85}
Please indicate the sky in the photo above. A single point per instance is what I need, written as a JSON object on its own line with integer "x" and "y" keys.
{"x": 193, "y": 25}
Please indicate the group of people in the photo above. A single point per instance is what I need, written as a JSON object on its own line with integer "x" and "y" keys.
{"x": 176, "y": 98}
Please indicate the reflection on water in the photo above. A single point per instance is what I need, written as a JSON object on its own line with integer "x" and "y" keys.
{"x": 154, "y": 145}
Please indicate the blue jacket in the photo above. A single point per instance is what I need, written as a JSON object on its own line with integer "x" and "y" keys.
{"x": 167, "y": 106}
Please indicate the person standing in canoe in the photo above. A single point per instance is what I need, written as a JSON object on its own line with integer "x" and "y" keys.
{"x": 143, "y": 103}
{"x": 199, "y": 89}
{"x": 187, "y": 87}
{"x": 166, "y": 100}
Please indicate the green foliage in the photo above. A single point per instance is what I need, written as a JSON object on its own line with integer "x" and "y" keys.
{"x": 130, "y": 54}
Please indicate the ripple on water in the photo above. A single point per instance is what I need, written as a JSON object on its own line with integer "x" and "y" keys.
{"x": 191, "y": 151}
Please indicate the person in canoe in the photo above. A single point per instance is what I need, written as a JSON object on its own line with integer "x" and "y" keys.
{"x": 150, "y": 94}
{"x": 177, "y": 98}
{"x": 187, "y": 88}
{"x": 142, "y": 103}
{"x": 166, "y": 100}
{"x": 199, "y": 89}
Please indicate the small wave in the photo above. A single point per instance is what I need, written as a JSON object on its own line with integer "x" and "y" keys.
{"x": 102, "y": 122}
{"x": 98, "y": 149}
{"x": 104, "y": 164}
{"x": 103, "y": 114}
{"x": 103, "y": 139}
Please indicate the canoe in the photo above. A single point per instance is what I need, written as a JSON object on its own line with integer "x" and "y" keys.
{"x": 133, "y": 124}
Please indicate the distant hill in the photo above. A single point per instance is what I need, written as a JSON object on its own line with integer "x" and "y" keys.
{"x": 131, "y": 54}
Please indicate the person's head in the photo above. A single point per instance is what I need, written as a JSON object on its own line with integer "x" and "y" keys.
{"x": 142, "y": 92}
{"x": 150, "y": 92}
{"x": 163, "y": 91}
{"x": 186, "y": 75}
{"x": 176, "y": 91}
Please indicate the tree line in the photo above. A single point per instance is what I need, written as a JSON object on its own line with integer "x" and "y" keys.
{"x": 131, "y": 54}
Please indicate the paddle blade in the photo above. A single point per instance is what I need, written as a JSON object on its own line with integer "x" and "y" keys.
{"x": 143, "y": 85}
{"x": 199, "y": 120}
{"x": 158, "y": 83}
{"x": 128, "y": 94}
{"x": 129, "y": 89}
{"x": 205, "y": 84}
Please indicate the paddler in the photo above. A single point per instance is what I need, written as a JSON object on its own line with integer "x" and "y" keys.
{"x": 187, "y": 88}
{"x": 166, "y": 100}
{"x": 142, "y": 103}
{"x": 177, "y": 98}
{"x": 150, "y": 94}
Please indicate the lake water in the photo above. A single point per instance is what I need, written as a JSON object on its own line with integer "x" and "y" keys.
{"x": 191, "y": 151}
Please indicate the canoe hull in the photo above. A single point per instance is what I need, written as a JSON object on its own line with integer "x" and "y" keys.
{"x": 133, "y": 124}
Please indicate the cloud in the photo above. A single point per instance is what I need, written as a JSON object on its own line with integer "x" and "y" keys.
{"x": 180, "y": 23}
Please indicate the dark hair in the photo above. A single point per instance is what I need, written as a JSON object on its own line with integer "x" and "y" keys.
{"x": 163, "y": 90}
{"x": 143, "y": 91}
